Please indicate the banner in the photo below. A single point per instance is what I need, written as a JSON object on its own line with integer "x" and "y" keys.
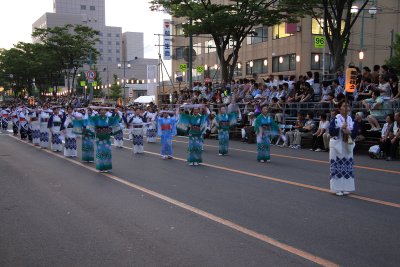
{"x": 351, "y": 80}
{"x": 167, "y": 39}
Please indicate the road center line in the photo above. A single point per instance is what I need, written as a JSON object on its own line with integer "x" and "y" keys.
{"x": 279, "y": 180}
{"x": 202, "y": 213}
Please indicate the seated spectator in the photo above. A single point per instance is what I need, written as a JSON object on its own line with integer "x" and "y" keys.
{"x": 326, "y": 136}
{"x": 375, "y": 106}
{"x": 305, "y": 131}
{"x": 361, "y": 127}
{"x": 337, "y": 88}
{"x": 384, "y": 87}
{"x": 308, "y": 93}
{"x": 395, "y": 138}
{"x": 366, "y": 91}
{"x": 316, "y": 86}
{"x": 386, "y": 137}
{"x": 325, "y": 91}
{"x": 394, "y": 84}
{"x": 281, "y": 91}
{"x": 248, "y": 133}
{"x": 289, "y": 136}
{"x": 318, "y": 141}
{"x": 309, "y": 78}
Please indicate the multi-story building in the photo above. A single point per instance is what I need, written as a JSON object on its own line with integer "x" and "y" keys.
{"x": 289, "y": 49}
{"x": 119, "y": 53}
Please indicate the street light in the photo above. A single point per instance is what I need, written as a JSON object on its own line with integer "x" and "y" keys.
{"x": 316, "y": 58}
{"x": 251, "y": 64}
{"x": 297, "y": 58}
{"x": 361, "y": 55}
{"x": 123, "y": 84}
{"x": 281, "y": 60}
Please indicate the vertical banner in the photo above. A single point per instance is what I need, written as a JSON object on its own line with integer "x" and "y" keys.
{"x": 167, "y": 39}
{"x": 351, "y": 80}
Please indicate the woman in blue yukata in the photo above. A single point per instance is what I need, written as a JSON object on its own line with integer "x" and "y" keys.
{"x": 265, "y": 128}
{"x": 196, "y": 124}
{"x": 103, "y": 126}
{"x": 166, "y": 129}
{"x": 224, "y": 122}
{"x": 87, "y": 137}
{"x": 342, "y": 130}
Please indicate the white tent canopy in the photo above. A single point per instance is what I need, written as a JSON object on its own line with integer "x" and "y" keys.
{"x": 145, "y": 99}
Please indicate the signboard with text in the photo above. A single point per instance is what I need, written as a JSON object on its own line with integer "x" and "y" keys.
{"x": 319, "y": 41}
{"x": 167, "y": 39}
{"x": 351, "y": 80}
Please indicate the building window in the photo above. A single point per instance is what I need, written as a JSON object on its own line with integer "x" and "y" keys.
{"x": 117, "y": 51}
{"x": 260, "y": 35}
{"x": 197, "y": 48}
{"x": 109, "y": 50}
{"x": 108, "y": 34}
{"x": 101, "y": 58}
{"x": 109, "y": 59}
{"x": 210, "y": 46}
{"x": 117, "y": 35}
{"x": 101, "y": 50}
{"x": 100, "y": 42}
{"x": 118, "y": 59}
{"x": 317, "y": 61}
{"x": 316, "y": 28}
{"x": 279, "y": 31}
{"x": 284, "y": 63}
{"x": 109, "y": 42}
{"x": 83, "y": 7}
{"x": 259, "y": 66}
{"x": 100, "y": 34}
{"x": 179, "y": 53}
{"x": 179, "y": 29}
{"x": 92, "y": 8}
{"x": 237, "y": 72}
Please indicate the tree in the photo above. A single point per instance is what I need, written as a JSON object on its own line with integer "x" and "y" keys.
{"x": 337, "y": 18}
{"x": 74, "y": 46}
{"x": 394, "y": 61}
{"x": 115, "y": 89}
{"x": 228, "y": 23}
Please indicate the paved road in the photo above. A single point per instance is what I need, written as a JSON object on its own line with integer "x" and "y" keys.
{"x": 232, "y": 211}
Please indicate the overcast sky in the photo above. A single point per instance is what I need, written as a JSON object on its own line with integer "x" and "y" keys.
{"x": 17, "y": 17}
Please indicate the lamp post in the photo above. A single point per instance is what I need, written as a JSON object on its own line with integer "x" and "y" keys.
{"x": 251, "y": 66}
{"x": 372, "y": 12}
{"x": 123, "y": 80}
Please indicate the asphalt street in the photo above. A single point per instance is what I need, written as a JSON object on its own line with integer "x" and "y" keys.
{"x": 229, "y": 211}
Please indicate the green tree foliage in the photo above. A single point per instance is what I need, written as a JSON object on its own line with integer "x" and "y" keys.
{"x": 394, "y": 62}
{"x": 115, "y": 89}
{"x": 337, "y": 20}
{"x": 73, "y": 45}
{"x": 229, "y": 23}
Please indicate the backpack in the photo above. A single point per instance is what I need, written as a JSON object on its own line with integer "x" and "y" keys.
{"x": 374, "y": 152}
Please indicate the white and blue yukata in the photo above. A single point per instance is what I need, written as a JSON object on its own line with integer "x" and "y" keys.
{"x": 70, "y": 147}
{"x": 4, "y": 119}
{"x": 151, "y": 131}
{"x": 23, "y": 124}
{"x": 35, "y": 127}
{"x": 44, "y": 117}
{"x": 54, "y": 125}
{"x": 119, "y": 131}
{"x": 135, "y": 124}
{"x": 166, "y": 129}
{"x": 224, "y": 122}
{"x": 341, "y": 155}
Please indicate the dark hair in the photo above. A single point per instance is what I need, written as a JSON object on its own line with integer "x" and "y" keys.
{"x": 367, "y": 69}
{"x": 309, "y": 74}
{"x": 368, "y": 80}
{"x": 325, "y": 83}
{"x": 377, "y": 67}
{"x": 391, "y": 116}
{"x": 323, "y": 116}
{"x": 341, "y": 103}
{"x": 376, "y": 93}
{"x": 386, "y": 68}
{"x": 336, "y": 81}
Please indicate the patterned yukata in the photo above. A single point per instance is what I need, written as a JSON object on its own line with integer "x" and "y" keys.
{"x": 23, "y": 124}
{"x": 135, "y": 124}
{"x": 166, "y": 128}
{"x": 4, "y": 119}
{"x": 151, "y": 131}
{"x": 70, "y": 147}
{"x": 15, "y": 122}
{"x": 103, "y": 127}
{"x": 341, "y": 155}
{"x": 196, "y": 124}
{"x": 44, "y": 117}
{"x": 87, "y": 139}
{"x": 35, "y": 127}
{"x": 224, "y": 122}
{"x": 265, "y": 128}
{"x": 54, "y": 125}
{"x": 119, "y": 133}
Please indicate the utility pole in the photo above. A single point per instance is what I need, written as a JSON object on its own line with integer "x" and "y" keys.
{"x": 190, "y": 58}
{"x": 391, "y": 43}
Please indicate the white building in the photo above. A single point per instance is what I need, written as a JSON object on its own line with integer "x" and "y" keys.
{"x": 116, "y": 49}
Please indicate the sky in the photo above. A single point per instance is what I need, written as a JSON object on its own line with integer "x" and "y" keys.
{"x": 17, "y": 17}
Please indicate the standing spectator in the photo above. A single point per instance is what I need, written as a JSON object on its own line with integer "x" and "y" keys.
{"x": 318, "y": 142}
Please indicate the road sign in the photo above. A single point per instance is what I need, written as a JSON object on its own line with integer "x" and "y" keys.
{"x": 183, "y": 67}
{"x": 351, "y": 80}
{"x": 82, "y": 83}
{"x": 319, "y": 41}
{"x": 91, "y": 75}
{"x": 200, "y": 69}
{"x": 94, "y": 83}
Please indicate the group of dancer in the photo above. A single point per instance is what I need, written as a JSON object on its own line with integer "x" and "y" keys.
{"x": 96, "y": 126}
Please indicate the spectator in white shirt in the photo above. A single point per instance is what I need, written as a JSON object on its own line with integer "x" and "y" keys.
{"x": 318, "y": 141}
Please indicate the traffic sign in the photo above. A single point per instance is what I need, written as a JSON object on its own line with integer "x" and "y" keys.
{"x": 91, "y": 75}
{"x": 82, "y": 83}
{"x": 319, "y": 41}
{"x": 200, "y": 69}
{"x": 351, "y": 80}
{"x": 183, "y": 67}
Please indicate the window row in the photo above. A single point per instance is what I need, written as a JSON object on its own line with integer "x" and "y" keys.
{"x": 84, "y": 7}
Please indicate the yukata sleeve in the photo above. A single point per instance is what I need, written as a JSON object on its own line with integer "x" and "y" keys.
{"x": 257, "y": 124}
{"x": 274, "y": 128}
{"x": 159, "y": 127}
{"x": 233, "y": 118}
{"x": 184, "y": 122}
{"x": 333, "y": 130}
{"x": 50, "y": 123}
{"x": 173, "y": 125}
